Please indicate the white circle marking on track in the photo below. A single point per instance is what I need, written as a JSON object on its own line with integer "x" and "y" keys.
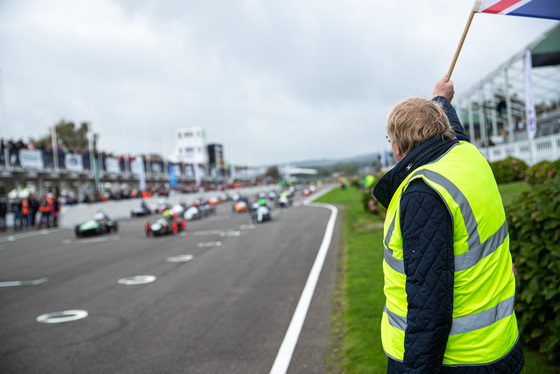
{"x": 64, "y": 316}
{"x": 138, "y": 279}
{"x": 181, "y": 258}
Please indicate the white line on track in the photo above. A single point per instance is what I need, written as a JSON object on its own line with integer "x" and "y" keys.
{"x": 286, "y": 350}
{"x": 23, "y": 283}
{"x": 28, "y": 234}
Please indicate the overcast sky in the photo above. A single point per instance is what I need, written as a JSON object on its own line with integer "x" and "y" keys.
{"x": 273, "y": 81}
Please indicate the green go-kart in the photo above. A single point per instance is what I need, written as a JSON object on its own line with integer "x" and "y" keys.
{"x": 99, "y": 225}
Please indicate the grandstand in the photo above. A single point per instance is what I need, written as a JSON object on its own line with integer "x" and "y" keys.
{"x": 496, "y": 104}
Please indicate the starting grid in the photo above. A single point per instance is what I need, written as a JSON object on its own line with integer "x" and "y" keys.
{"x": 74, "y": 315}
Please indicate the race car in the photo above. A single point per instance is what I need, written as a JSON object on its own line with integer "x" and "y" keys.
{"x": 206, "y": 209}
{"x": 167, "y": 224}
{"x": 240, "y": 206}
{"x": 140, "y": 211}
{"x": 283, "y": 201}
{"x": 99, "y": 225}
{"x": 260, "y": 211}
{"x": 192, "y": 213}
{"x": 160, "y": 207}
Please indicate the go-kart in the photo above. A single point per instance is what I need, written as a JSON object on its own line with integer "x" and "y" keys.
{"x": 240, "y": 206}
{"x": 273, "y": 197}
{"x": 192, "y": 213}
{"x": 99, "y": 225}
{"x": 260, "y": 212}
{"x": 283, "y": 201}
{"x": 168, "y": 224}
{"x": 161, "y": 206}
{"x": 205, "y": 208}
{"x": 140, "y": 211}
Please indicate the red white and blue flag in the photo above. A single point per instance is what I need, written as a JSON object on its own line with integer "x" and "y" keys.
{"x": 525, "y": 8}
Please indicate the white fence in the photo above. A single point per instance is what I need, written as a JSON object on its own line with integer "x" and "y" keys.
{"x": 530, "y": 151}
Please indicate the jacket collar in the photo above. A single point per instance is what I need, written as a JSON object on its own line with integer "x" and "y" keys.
{"x": 427, "y": 152}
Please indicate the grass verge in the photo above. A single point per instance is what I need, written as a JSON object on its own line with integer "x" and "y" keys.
{"x": 511, "y": 191}
{"x": 355, "y": 339}
{"x": 355, "y": 345}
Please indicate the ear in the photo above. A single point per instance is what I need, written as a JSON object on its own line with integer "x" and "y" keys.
{"x": 397, "y": 151}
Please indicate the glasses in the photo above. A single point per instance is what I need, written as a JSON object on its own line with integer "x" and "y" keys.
{"x": 388, "y": 139}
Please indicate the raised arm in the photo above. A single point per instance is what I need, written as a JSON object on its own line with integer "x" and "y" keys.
{"x": 443, "y": 94}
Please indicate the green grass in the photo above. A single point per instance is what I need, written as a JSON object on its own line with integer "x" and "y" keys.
{"x": 511, "y": 191}
{"x": 360, "y": 294}
{"x": 355, "y": 345}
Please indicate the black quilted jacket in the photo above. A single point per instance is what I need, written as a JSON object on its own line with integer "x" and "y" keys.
{"x": 427, "y": 230}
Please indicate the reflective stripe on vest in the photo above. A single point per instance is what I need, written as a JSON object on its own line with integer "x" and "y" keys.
{"x": 484, "y": 327}
{"x": 477, "y": 250}
{"x": 465, "y": 324}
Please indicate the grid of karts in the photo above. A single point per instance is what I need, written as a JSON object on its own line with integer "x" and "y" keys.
{"x": 172, "y": 219}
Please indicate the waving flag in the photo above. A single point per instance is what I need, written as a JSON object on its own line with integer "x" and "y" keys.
{"x": 525, "y": 8}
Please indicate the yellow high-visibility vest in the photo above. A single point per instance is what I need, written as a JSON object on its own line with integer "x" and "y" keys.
{"x": 484, "y": 326}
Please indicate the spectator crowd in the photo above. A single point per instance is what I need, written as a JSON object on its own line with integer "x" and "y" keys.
{"x": 30, "y": 212}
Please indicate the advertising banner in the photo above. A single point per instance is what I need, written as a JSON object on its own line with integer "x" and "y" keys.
{"x": 73, "y": 162}
{"x": 112, "y": 165}
{"x": 31, "y": 159}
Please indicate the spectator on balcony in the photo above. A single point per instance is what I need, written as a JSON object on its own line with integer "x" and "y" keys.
{"x": 19, "y": 146}
{"x": 11, "y": 152}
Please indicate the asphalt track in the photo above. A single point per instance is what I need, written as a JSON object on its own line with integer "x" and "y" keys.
{"x": 219, "y": 298}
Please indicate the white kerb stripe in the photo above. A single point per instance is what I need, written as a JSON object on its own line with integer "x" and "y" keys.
{"x": 286, "y": 350}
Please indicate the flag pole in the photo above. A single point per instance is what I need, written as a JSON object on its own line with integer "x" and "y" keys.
{"x": 461, "y": 43}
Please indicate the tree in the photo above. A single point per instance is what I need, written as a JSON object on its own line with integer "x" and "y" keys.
{"x": 272, "y": 172}
{"x": 68, "y": 135}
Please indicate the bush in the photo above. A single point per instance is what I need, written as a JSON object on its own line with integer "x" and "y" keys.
{"x": 542, "y": 171}
{"x": 534, "y": 229}
{"x": 508, "y": 170}
{"x": 370, "y": 203}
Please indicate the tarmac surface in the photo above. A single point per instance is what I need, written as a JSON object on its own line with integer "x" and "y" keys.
{"x": 217, "y": 298}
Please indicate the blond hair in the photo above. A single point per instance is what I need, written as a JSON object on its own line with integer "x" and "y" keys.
{"x": 415, "y": 120}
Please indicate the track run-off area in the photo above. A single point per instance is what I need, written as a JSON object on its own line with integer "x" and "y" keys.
{"x": 225, "y": 296}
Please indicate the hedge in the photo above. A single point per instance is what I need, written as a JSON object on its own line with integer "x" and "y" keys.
{"x": 509, "y": 170}
{"x": 534, "y": 229}
{"x": 542, "y": 171}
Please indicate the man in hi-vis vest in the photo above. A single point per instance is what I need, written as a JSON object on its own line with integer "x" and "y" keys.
{"x": 449, "y": 283}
